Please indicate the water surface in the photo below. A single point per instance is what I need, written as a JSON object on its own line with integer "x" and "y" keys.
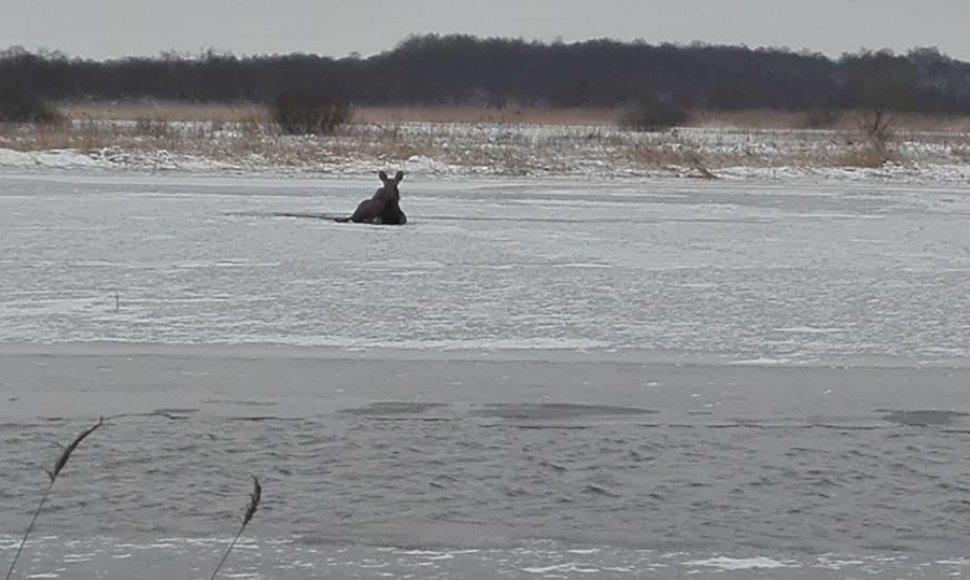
{"x": 530, "y": 380}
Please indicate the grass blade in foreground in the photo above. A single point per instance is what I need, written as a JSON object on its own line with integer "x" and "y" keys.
{"x": 58, "y": 466}
{"x": 254, "y": 499}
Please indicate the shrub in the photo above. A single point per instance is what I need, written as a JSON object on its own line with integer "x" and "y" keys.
{"x": 655, "y": 115}
{"x": 874, "y": 147}
{"x": 879, "y": 128}
{"x": 309, "y": 113}
{"x": 20, "y": 106}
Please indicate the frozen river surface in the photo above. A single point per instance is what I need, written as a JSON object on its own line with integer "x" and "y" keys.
{"x": 531, "y": 379}
{"x": 785, "y": 273}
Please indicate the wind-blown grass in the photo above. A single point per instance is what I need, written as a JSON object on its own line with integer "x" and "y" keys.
{"x": 52, "y": 475}
{"x": 254, "y": 499}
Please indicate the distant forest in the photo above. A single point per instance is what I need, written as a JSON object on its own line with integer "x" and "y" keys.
{"x": 465, "y": 70}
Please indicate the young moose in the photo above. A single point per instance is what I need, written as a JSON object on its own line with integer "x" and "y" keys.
{"x": 384, "y": 207}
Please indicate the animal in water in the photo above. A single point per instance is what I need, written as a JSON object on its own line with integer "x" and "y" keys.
{"x": 384, "y": 207}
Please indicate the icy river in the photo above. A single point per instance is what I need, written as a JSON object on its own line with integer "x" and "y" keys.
{"x": 532, "y": 379}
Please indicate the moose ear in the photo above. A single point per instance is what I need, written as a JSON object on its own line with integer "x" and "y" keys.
{"x": 398, "y": 176}
{"x": 382, "y": 175}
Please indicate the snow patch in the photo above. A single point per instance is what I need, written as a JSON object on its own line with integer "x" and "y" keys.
{"x": 726, "y": 563}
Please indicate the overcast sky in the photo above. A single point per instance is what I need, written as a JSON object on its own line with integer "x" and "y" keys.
{"x": 114, "y": 28}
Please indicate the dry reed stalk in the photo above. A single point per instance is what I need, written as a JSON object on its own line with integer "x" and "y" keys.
{"x": 254, "y": 499}
{"x": 52, "y": 474}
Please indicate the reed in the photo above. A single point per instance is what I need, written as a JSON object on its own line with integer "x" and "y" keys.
{"x": 52, "y": 475}
{"x": 254, "y": 499}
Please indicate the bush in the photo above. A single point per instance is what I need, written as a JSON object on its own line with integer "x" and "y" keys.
{"x": 309, "y": 113}
{"x": 20, "y": 106}
{"x": 878, "y": 129}
{"x": 655, "y": 115}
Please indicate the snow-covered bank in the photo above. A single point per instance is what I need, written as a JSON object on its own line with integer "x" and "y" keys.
{"x": 501, "y": 150}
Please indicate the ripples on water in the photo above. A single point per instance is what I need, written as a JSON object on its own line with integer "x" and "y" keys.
{"x": 524, "y": 488}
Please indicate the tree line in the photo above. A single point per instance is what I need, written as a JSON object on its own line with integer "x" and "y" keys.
{"x": 466, "y": 70}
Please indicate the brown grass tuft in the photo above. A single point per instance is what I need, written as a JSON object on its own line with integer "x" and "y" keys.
{"x": 678, "y": 155}
{"x": 867, "y": 156}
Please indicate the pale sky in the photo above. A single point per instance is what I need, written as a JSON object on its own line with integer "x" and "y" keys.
{"x": 115, "y": 28}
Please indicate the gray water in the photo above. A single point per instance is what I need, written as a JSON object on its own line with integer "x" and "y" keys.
{"x": 658, "y": 379}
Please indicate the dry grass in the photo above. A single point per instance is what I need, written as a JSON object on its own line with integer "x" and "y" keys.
{"x": 848, "y": 121}
{"x": 861, "y": 156}
{"x": 672, "y": 156}
{"x": 252, "y": 113}
{"x": 765, "y": 119}
{"x": 503, "y": 141}
{"x": 608, "y": 117}
{"x": 164, "y": 110}
{"x": 789, "y": 148}
{"x": 247, "y": 112}
{"x": 865, "y": 156}
{"x": 486, "y": 115}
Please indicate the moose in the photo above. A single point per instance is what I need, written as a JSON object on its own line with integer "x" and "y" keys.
{"x": 384, "y": 207}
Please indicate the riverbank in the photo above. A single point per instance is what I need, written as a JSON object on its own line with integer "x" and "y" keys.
{"x": 573, "y": 144}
